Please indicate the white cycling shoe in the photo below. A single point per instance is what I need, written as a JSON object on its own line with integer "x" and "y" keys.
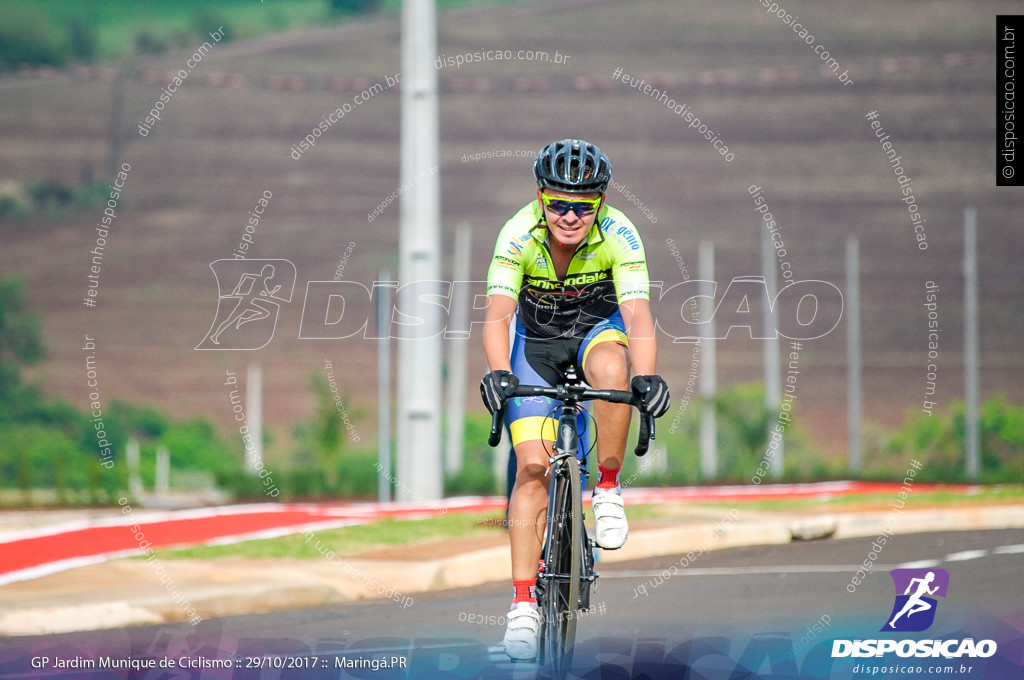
{"x": 522, "y": 635}
{"x": 612, "y": 527}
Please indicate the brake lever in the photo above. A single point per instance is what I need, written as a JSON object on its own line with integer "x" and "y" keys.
{"x": 495, "y": 437}
{"x": 646, "y": 435}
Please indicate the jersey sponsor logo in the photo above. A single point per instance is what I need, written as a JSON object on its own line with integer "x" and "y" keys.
{"x": 633, "y": 293}
{"x": 498, "y": 287}
{"x": 637, "y": 266}
{"x": 506, "y": 262}
{"x": 514, "y": 248}
{"x": 541, "y": 262}
{"x": 544, "y": 284}
{"x": 571, "y": 281}
{"x": 629, "y": 236}
{"x": 589, "y": 255}
{"x": 585, "y": 279}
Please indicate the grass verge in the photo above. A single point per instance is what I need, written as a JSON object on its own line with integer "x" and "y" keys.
{"x": 393, "y": 532}
{"x": 349, "y": 540}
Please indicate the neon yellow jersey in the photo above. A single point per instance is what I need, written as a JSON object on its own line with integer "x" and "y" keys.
{"x": 606, "y": 270}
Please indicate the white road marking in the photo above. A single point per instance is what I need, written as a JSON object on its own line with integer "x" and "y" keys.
{"x": 966, "y": 555}
{"x": 1010, "y": 549}
{"x": 920, "y": 564}
{"x": 745, "y": 571}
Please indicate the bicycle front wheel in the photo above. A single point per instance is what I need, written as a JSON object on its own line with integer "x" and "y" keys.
{"x": 563, "y": 567}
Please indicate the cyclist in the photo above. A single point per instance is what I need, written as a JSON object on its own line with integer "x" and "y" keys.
{"x": 571, "y": 270}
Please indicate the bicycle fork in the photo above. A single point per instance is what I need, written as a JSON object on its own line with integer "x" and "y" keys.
{"x": 566, "y": 446}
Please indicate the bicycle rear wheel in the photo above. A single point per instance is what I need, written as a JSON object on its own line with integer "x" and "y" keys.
{"x": 563, "y": 561}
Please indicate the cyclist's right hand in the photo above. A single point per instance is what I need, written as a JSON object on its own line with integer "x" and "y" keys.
{"x": 496, "y": 387}
{"x": 652, "y": 390}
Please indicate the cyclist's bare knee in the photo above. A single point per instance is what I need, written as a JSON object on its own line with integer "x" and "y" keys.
{"x": 532, "y": 457}
{"x": 531, "y": 474}
{"x": 607, "y": 366}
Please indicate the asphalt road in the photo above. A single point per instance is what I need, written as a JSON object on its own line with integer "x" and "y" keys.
{"x": 772, "y": 611}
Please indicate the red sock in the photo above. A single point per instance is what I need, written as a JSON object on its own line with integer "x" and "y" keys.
{"x": 526, "y": 591}
{"x": 607, "y": 478}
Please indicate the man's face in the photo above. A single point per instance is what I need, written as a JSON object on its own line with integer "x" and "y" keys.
{"x": 569, "y": 229}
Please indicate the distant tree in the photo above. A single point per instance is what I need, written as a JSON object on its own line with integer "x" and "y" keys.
{"x": 21, "y": 344}
{"x": 345, "y": 7}
{"x": 326, "y": 430}
{"x": 147, "y": 43}
{"x": 206, "y": 20}
{"x": 26, "y": 38}
{"x": 82, "y": 40}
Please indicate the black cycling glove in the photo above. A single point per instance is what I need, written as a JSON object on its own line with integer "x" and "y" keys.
{"x": 653, "y": 391}
{"x": 496, "y": 387}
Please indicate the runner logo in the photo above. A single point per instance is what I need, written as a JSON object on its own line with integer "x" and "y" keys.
{"x": 914, "y": 610}
{"x": 247, "y": 316}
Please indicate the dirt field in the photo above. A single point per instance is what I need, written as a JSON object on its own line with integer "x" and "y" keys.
{"x": 926, "y": 67}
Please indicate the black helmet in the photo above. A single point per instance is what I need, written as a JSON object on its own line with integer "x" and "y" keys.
{"x": 574, "y": 166}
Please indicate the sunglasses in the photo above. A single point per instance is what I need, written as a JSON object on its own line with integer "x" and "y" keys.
{"x": 560, "y": 206}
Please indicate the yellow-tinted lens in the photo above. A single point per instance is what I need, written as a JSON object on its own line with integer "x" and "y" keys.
{"x": 561, "y": 206}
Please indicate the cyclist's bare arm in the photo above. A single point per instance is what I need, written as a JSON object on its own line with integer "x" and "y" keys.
{"x": 500, "y": 310}
{"x": 643, "y": 348}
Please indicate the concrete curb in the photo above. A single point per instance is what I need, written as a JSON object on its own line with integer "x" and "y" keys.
{"x": 127, "y": 592}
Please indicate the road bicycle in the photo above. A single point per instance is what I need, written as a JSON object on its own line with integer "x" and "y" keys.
{"x": 566, "y": 572}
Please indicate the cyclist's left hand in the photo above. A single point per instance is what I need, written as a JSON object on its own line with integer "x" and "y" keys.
{"x": 653, "y": 391}
{"x": 496, "y": 387}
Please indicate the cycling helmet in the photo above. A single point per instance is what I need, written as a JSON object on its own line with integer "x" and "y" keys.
{"x": 574, "y": 166}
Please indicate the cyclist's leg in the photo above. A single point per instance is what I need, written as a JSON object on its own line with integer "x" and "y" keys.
{"x": 533, "y": 433}
{"x": 605, "y": 363}
{"x": 527, "y": 507}
{"x": 604, "y": 359}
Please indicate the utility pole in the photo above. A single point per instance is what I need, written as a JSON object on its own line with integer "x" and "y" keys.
{"x": 254, "y": 415}
{"x": 384, "y": 313}
{"x": 971, "y": 341}
{"x": 772, "y": 369}
{"x": 708, "y": 424}
{"x": 854, "y": 396}
{"x": 420, "y": 472}
{"x": 458, "y": 353}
